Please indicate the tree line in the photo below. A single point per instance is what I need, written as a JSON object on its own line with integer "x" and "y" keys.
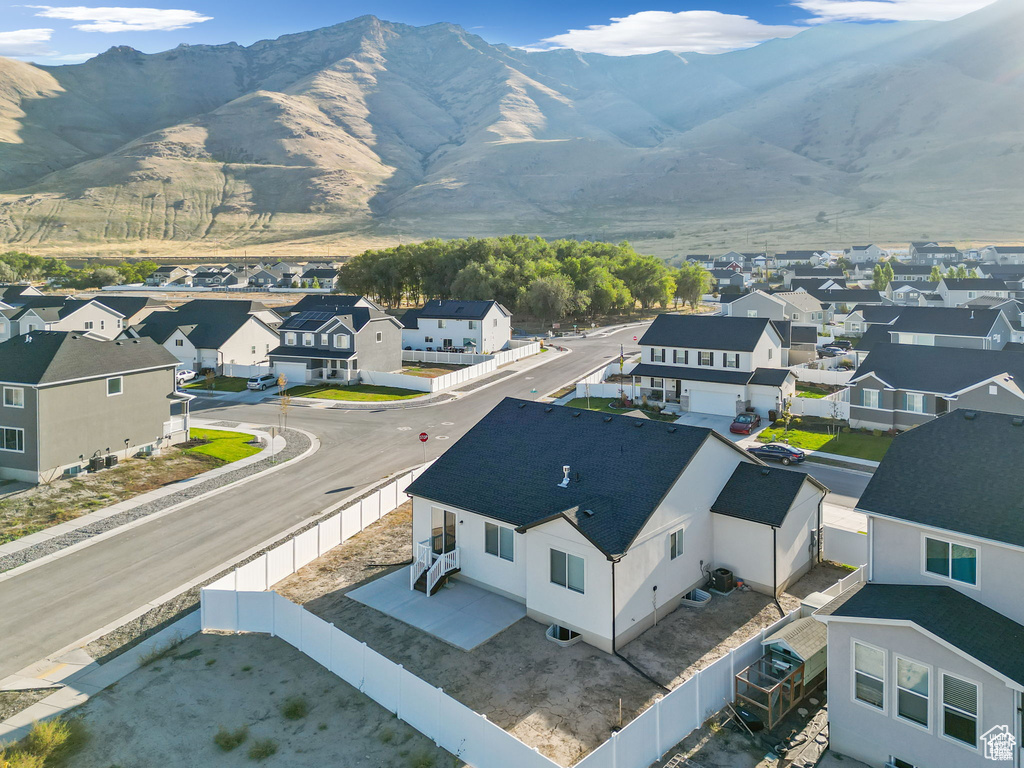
{"x": 549, "y": 280}
{"x": 16, "y": 266}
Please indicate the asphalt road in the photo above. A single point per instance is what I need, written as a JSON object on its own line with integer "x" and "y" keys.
{"x": 49, "y": 607}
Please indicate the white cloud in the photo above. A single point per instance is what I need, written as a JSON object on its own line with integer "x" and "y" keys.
{"x": 888, "y": 10}
{"x": 72, "y": 58}
{"x": 25, "y": 42}
{"x": 123, "y": 19}
{"x": 653, "y": 31}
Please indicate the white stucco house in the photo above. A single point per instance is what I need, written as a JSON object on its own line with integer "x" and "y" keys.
{"x": 483, "y": 327}
{"x": 597, "y": 523}
{"x": 927, "y": 656}
{"x": 62, "y": 313}
{"x": 714, "y": 364}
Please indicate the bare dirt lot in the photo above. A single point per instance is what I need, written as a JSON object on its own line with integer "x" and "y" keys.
{"x": 46, "y": 505}
{"x": 167, "y": 714}
{"x": 563, "y": 701}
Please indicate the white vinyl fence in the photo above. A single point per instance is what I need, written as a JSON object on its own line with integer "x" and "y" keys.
{"x": 449, "y": 358}
{"x": 825, "y": 371}
{"x": 835, "y": 405}
{"x": 842, "y": 546}
{"x": 239, "y": 602}
{"x": 244, "y": 371}
{"x": 489, "y": 364}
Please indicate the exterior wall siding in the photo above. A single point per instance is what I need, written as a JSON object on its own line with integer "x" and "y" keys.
{"x": 21, "y": 466}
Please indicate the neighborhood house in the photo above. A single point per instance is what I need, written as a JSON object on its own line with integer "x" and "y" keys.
{"x": 484, "y": 327}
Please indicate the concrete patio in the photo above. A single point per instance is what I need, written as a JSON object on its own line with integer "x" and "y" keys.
{"x": 459, "y": 614}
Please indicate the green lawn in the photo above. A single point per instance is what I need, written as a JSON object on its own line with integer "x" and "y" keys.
{"x": 357, "y": 392}
{"x": 220, "y": 384}
{"x": 855, "y": 444}
{"x": 603, "y": 404}
{"x": 226, "y": 446}
{"x": 810, "y": 393}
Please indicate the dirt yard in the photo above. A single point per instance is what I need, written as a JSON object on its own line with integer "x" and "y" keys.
{"x": 168, "y": 713}
{"x": 565, "y": 702}
{"x": 43, "y": 506}
{"x": 429, "y": 370}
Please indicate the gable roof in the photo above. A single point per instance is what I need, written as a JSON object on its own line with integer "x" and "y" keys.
{"x": 975, "y": 284}
{"x": 208, "y": 323}
{"x": 804, "y": 334}
{"x": 804, "y": 271}
{"x": 450, "y": 309}
{"x": 899, "y": 268}
{"x": 940, "y": 370}
{"x": 806, "y": 637}
{"x": 706, "y": 332}
{"x": 314, "y": 319}
{"x": 980, "y": 632}
{"x": 317, "y": 301}
{"x": 320, "y": 272}
{"x": 816, "y": 282}
{"x": 508, "y": 467}
{"x": 802, "y": 300}
{"x": 766, "y": 377}
{"x": 946, "y": 321}
{"x": 921, "y": 286}
{"x": 50, "y": 357}
{"x": 128, "y": 306}
{"x": 873, "y": 336}
{"x": 921, "y": 484}
{"x": 761, "y": 495}
{"x": 847, "y": 296}
{"x": 53, "y": 308}
{"x": 17, "y": 294}
{"x": 878, "y": 313}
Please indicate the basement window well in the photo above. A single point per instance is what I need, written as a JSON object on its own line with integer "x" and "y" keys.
{"x": 562, "y": 636}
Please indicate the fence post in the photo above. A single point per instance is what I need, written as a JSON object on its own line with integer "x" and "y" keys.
{"x": 657, "y": 727}
{"x": 362, "y": 678}
{"x": 273, "y": 615}
{"x": 437, "y": 709}
{"x": 615, "y": 749}
{"x": 238, "y": 617}
{"x": 398, "y": 700}
{"x": 330, "y": 649}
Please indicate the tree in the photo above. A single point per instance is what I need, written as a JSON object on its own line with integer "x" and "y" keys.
{"x": 692, "y": 282}
{"x": 888, "y": 273}
{"x": 878, "y": 278}
{"x": 936, "y": 275}
{"x": 316, "y": 283}
{"x": 550, "y": 298}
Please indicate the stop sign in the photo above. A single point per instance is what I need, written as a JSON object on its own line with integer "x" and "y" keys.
{"x": 423, "y": 437}
{"x": 634, "y": 338}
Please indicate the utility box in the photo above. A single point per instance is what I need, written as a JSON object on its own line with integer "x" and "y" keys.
{"x": 110, "y": 460}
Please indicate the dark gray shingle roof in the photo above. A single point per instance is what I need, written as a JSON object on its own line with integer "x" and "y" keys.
{"x": 509, "y": 465}
{"x": 48, "y": 357}
{"x": 943, "y": 370}
{"x": 924, "y": 479}
{"x": 946, "y": 321}
{"x": 977, "y": 630}
{"x": 759, "y": 494}
{"x": 451, "y": 309}
{"x": 975, "y": 284}
{"x": 706, "y": 332}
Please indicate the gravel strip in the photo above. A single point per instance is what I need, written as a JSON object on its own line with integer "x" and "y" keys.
{"x": 296, "y": 443}
{"x": 13, "y": 702}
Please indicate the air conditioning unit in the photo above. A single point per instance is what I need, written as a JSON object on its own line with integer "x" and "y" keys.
{"x": 96, "y": 463}
{"x": 110, "y": 460}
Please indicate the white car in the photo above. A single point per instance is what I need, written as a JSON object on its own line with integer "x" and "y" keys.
{"x": 261, "y": 382}
{"x": 184, "y": 374}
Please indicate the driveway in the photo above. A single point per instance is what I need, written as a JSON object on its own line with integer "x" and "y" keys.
{"x": 714, "y": 421}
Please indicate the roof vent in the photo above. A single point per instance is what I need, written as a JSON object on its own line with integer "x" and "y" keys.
{"x": 522, "y": 405}
{"x": 638, "y": 424}
{"x": 970, "y": 415}
{"x": 549, "y": 409}
{"x": 672, "y": 429}
{"x": 1017, "y": 421}
{"x": 565, "y": 480}
{"x": 576, "y": 415}
{"x": 765, "y": 471}
{"x": 118, "y": 343}
{"x": 588, "y": 512}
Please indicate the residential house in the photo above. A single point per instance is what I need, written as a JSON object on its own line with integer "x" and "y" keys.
{"x": 803, "y": 344}
{"x": 211, "y": 277}
{"x": 316, "y": 301}
{"x": 62, "y": 313}
{"x": 908, "y": 293}
{"x": 926, "y": 659}
{"x": 797, "y": 307}
{"x": 950, "y": 327}
{"x": 899, "y": 386}
{"x": 839, "y": 302}
{"x": 703, "y": 260}
{"x": 728, "y": 280}
{"x": 166, "y": 275}
{"x": 319, "y": 278}
{"x": 864, "y": 254}
{"x": 864, "y": 315}
{"x": 955, "y": 293}
{"x": 335, "y": 343}
{"x": 483, "y": 327}
{"x": 817, "y": 273}
{"x": 788, "y": 259}
{"x": 68, "y": 399}
{"x": 933, "y": 254}
{"x": 15, "y": 295}
{"x": 817, "y": 283}
{"x": 910, "y": 273}
{"x": 598, "y": 523}
{"x": 229, "y": 336}
{"x": 714, "y": 364}
{"x": 267, "y": 277}
{"x": 1003, "y": 254}
{"x": 133, "y": 309}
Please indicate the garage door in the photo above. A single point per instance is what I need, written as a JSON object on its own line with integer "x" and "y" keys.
{"x": 294, "y": 372}
{"x": 721, "y": 403}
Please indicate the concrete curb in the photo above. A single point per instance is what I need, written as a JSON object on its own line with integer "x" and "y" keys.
{"x": 313, "y": 447}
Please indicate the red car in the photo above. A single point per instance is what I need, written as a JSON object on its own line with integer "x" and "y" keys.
{"x": 745, "y": 424}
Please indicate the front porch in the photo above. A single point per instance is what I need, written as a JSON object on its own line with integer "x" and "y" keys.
{"x": 336, "y": 371}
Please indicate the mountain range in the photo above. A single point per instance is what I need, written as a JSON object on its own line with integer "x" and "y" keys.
{"x": 371, "y": 128}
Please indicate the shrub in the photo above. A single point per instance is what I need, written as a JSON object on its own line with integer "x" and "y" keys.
{"x": 20, "y": 760}
{"x": 159, "y": 652}
{"x": 876, "y": 432}
{"x": 229, "y": 740}
{"x": 47, "y": 737}
{"x": 261, "y": 749}
{"x": 295, "y": 708}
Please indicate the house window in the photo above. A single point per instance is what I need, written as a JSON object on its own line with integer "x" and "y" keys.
{"x": 567, "y": 571}
{"x": 951, "y": 561}
{"x": 103, "y": 324}
{"x": 14, "y": 397}
{"x": 869, "y": 675}
{"x": 253, "y": 349}
{"x": 307, "y": 339}
{"x": 88, "y": 325}
{"x": 769, "y": 353}
{"x": 473, "y": 325}
{"x": 179, "y": 342}
{"x": 428, "y": 339}
{"x": 915, "y": 402}
{"x": 380, "y": 337}
{"x": 869, "y": 398}
{"x": 681, "y": 356}
{"x": 751, "y": 313}
{"x": 324, "y": 340}
{"x": 705, "y": 358}
{"x": 341, "y": 341}
{"x": 993, "y": 389}
{"x": 289, "y": 339}
{"x": 657, "y": 355}
{"x": 912, "y": 680}
{"x": 960, "y": 710}
{"x": 115, "y": 386}
{"x": 441, "y": 323}
{"x": 731, "y": 360}
{"x": 657, "y": 383}
{"x": 675, "y": 544}
{"x": 499, "y": 541}
{"x": 13, "y": 439}
{"x": 495, "y": 321}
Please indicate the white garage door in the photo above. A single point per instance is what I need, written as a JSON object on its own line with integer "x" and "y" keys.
{"x": 721, "y": 403}
{"x": 294, "y": 372}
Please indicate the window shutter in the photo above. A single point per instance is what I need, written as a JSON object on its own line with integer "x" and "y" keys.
{"x": 960, "y": 694}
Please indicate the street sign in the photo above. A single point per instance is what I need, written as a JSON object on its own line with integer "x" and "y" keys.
{"x": 423, "y": 437}
{"x": 634, "y": 338}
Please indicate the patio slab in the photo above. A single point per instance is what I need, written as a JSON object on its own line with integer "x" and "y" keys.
{"x": 460, "y": 614}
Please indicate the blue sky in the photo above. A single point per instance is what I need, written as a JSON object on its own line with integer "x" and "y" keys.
{"x": 70, "y": 32}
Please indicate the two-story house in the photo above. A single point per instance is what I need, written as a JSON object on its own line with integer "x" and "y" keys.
{"x": 797, "y": 307}
{"x": 839, "y": 301}
{"x": 68, "y": 399}
{"x": 714, "y": 364}
{"x": 926, "y": 659}
{"x": 166, "y": 275}
{"x": 910, "y": 273}
{"x": 1003, "y": 254}
{"x": 908, "y": 293}
{"x": 818, "y": 273}
{"x": 899, "y": 386}
{"x": 335, "y": 343}
{"x": 932, "y": 254}
{"x": 317, "y": 301}
{"x": 318, "y": 277}
{"x": 598, "y": 523}
{"x": 728, "y": 280}
{"x": 133, "y": 309}
{"x": 15, "y": 295}
{"x": 483, "y": 327}
{"x": 863, "y": 316}
{"x": 864, "y": 254}
{"x": 951, "y": 327}
{"x": 956, "y": 293}
{"x": 62, "y": 313}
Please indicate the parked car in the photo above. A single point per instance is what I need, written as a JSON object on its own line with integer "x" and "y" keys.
{"x": 261, "y": 382}
{"x": 181, "y": 375}
{"x": 745, "y": 424}
{"x": 786, "y": 454}
{"x": 831, "y": 351}
{"x": 844, "y": 344}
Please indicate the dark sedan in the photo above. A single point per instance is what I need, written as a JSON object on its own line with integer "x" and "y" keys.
{"x": 786, "y": 454}
{"x": 745, "y": 424}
